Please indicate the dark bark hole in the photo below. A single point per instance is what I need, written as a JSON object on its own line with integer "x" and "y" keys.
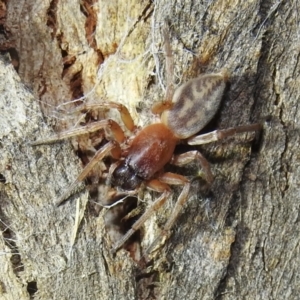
{"x": 51, "y": 17}
{"x": 16, "y": 262}
{"x": 13, "y": 55}
{"x": 2, "y": 178}
{"x": 32, "y": 288}
{"x": 76, "y": 85}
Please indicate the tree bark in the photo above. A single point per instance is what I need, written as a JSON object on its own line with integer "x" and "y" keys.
{"x": 239, "y": 242}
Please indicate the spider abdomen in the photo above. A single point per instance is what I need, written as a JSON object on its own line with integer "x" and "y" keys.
{"x": 194, "y": 104}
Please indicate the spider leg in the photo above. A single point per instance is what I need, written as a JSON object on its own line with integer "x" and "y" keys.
{"x": 158, "y": 186}
{"x": 221, "y": 134}
{"x": 159, "y": 107}
{"x": 174, "y": 179}
{"x": 124, "y": 113}
{"x": 169, "y": 64}
{"x": 185, "y": 158}
{"x": 113, "y": 126}
{"x": 112, "y": 148}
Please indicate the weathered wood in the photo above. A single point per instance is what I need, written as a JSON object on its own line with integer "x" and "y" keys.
{"x": 240, "y": 242}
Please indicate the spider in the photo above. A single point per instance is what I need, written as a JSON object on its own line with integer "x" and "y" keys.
{"x": 140, "y": 159}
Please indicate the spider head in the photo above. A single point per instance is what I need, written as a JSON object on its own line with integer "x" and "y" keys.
{"x": 125, "y": 177}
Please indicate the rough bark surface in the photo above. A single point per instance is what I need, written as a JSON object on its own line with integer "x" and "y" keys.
{"x": 240, "y": 242}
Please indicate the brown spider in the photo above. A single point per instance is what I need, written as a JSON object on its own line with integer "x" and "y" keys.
{"x": 142, "y": 158}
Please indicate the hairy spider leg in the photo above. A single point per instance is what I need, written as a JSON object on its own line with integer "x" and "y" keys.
{"x": 154, "y": 185}
{"x": 169, "y": 65}
{"x": 124, "y": 113}
{"x": 112, "y": 148}
{"x": 173, "y": 179}
{"x": 164, "y": 234}
{"x": 220, "y": 134}
{"x": 158, "y": 108}
{"x": 187, "y": 157}
{"x": 113, "y": 126}
{"x": 160, "y": 185}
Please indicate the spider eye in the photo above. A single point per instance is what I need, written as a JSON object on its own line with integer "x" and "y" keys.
{"x": 125, "y": 177}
